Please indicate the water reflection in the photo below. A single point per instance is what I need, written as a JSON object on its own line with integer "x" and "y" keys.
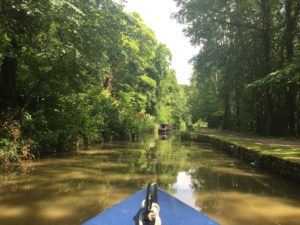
{"x": 70, "y": 189}
{"x": 184, "y": 189}
{"x": 164, "y": 136}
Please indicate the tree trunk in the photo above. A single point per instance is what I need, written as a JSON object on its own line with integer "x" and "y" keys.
{"x": 264, "y": 124}
{"x": 291, "y": 108}
{"x": 269, "y": 120}
{"x": 259, "y": 111}
{"x": 266, "y": 36}
{"x": 108, "y": 83}
{"x": 291, "y": 17}
{"x": 238, "y": 119}
{"x": 226, "y": 117}
{"x": 290, "y": 28}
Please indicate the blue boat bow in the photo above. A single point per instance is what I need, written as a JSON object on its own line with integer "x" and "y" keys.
{"x": 172, "y": 212}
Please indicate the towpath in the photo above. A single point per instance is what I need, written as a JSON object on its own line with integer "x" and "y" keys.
{"x": 287, "y": 148}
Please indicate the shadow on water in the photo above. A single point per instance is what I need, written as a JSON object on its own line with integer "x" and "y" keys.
{"x": 70, "y": 189}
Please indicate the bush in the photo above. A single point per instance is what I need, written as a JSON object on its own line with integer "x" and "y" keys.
{"x": 13, "y": 148}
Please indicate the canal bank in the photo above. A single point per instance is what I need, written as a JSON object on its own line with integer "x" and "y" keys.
{"x": 276, "y": 156}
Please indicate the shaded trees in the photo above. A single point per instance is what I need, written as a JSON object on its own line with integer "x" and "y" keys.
{"x": 245, "y": 43}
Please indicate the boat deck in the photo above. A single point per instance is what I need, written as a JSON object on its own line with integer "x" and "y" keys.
{"x": 172, "y": 212}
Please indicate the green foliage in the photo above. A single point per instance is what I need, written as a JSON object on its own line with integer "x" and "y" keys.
{"x": 282, "y": 77}
{"x": 148, "y": 82}
{"x": 79, "y": 71}
{"x": 200, "y": 124}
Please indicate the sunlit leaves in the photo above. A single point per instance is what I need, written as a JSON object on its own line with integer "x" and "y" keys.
{"x": 149, "y": 82}
{"x": 85, "y": 70}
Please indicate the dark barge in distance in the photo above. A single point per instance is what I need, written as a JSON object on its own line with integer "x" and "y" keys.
{"x": 164, "y": 128}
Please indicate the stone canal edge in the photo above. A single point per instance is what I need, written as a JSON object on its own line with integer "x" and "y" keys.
{"x": 276, "y": 165}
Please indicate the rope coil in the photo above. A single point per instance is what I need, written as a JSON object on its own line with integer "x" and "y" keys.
{"x": 149, "y": 215}
{"x": 151, "y": 218}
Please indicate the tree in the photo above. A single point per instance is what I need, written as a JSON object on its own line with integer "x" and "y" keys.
{"x": 78, "y": 70}
{"x": 244, "y": 42}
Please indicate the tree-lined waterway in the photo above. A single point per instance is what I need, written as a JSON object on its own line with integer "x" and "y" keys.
{"x": 69, "y": 189}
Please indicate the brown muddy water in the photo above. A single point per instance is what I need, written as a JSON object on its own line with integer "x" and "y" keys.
{"x": 69, "y": 189}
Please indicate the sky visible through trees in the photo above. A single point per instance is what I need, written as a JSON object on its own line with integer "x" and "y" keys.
{"x": 157, "y": 14}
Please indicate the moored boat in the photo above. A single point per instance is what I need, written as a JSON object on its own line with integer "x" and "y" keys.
{"x": 172, "y": 212}
{"x": 164, "y": 128}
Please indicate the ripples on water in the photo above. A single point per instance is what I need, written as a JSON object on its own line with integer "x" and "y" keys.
{"x": 67, "y": 190}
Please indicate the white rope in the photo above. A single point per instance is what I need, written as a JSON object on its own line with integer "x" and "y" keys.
{"x": 153, "y": 215}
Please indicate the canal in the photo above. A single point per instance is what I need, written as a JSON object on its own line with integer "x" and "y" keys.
{"x": 68, "y": 189}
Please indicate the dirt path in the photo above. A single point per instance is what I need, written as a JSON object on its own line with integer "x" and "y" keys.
{"x": 286, "y": 142}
